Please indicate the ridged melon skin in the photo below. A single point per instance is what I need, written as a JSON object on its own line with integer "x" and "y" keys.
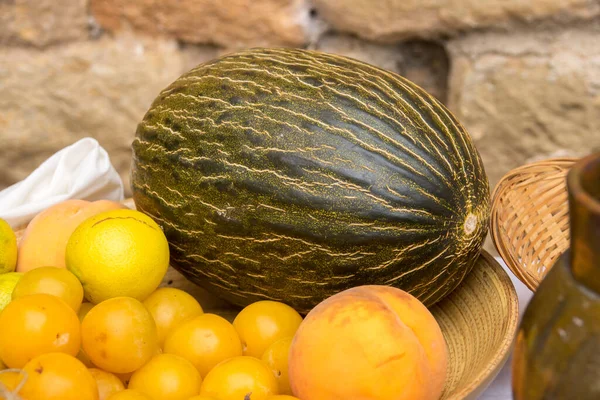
{"x": 291, "y": 175}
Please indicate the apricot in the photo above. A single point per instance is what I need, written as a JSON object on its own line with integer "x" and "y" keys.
{"x": 369, "y": 342}
{"x": 45, "y": 239}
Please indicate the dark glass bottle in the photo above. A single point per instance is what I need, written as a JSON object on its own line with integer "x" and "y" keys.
{"x": 557, "y": 353}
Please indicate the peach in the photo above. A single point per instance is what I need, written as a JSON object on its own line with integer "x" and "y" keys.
{"x": 45, "y": 239}
{"x": 368, "y": 343}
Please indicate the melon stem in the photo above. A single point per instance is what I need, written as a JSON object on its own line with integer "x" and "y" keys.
{"x": 470, "y": 223}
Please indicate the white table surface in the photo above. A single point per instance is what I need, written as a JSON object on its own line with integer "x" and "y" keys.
{"x": 500, "y": 388}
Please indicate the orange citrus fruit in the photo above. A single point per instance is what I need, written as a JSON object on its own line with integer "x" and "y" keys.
{"x": 51, "y": 280}
{"x": 58, "y": 376}
{"x": 169, "y": 307}
{"x": 107, "y": 383}
{"x": 205, "y": 340}
{"x": 262, "y": 323}
{"x": 37, "y": 324}
{"x": 129, "y": 395}
{"x": 276, "y": 357}
{"x": 167, "y": 377}
{"x": 234, "y": 378}
{"x": 202, "y": 397}
{"x": 119, "y": 335}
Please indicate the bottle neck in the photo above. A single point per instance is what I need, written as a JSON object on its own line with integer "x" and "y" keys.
{"x": 584, "y": 214}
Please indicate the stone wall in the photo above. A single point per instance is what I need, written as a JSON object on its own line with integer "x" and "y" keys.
{"x": 523, "y": 76}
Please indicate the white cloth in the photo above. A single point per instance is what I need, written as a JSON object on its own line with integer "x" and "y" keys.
{"x": 80, "y": 171}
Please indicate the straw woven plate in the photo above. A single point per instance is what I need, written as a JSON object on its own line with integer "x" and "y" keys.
{"x": 478, "y": 320}
{"x": 530, "y": 222}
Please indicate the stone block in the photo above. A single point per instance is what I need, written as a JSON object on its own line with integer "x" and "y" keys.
{"x": 42, "y": 22}
{"x": 51, "y": 98}
{"x": 525, "y": 96}
{"x": 231, "y": 24}
{"x": 397, "y": 19}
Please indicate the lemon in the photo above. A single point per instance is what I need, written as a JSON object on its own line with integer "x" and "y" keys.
{"x": 8, "y": 248}
{"x": 118, "y": 253}
{"x": 7, "y": 285}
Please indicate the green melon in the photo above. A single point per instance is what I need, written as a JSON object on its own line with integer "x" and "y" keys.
{"x": 291, "y": 175}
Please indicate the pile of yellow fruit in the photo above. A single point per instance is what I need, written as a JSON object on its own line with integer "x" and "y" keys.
{"x": 83, "y": 317}
{"x": 98, "y": 326}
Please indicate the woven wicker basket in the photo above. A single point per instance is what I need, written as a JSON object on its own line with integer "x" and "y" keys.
{"x": 529, "y": 223}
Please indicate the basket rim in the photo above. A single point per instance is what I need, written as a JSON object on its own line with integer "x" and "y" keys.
{"x": 511, "y": 260}
{"x": 487, "y": 375}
